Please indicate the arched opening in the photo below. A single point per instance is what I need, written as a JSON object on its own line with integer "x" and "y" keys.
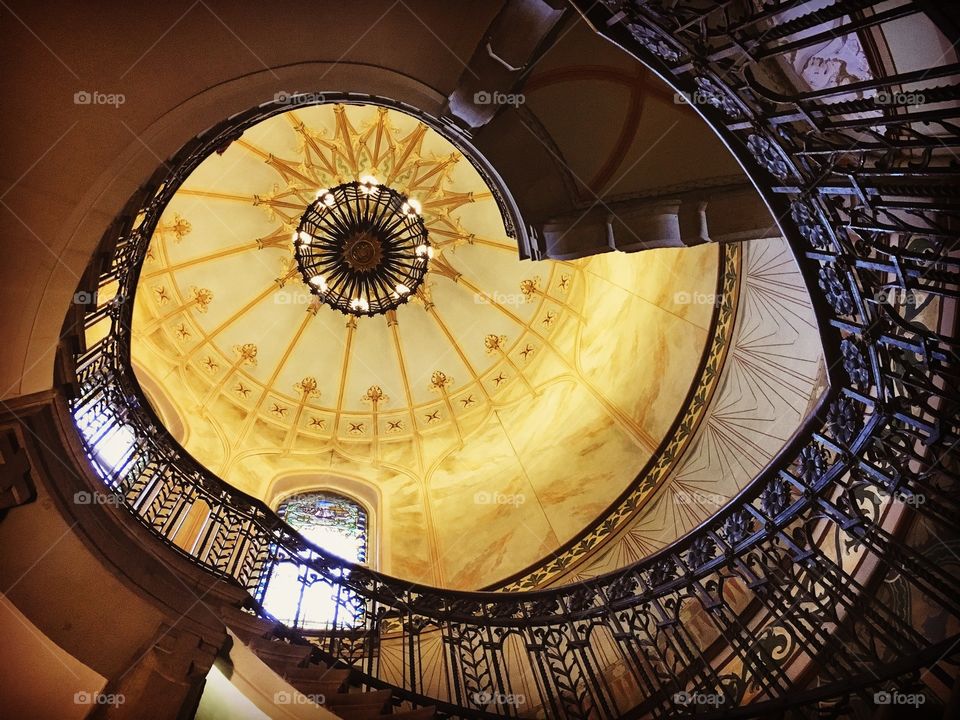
{"x": 333, "y": 521}
{"x": 297, "y": 595}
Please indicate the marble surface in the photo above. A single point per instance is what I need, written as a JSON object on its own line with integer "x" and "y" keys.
{"x": 772, "y": 376}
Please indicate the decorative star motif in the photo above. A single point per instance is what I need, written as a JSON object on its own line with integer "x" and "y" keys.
{"x": 279, "y": 410}
{"x": 529, "y": 287}
{"x": 564, "y": 282}
{"x": 183, "y": 332}
{"x": 318, "y": 423}
{"x": 549, "y": 318}
{"x": 499, "y": 379}
{"x": 467, "y": 401}
{"x": 433, "y": 417}
{"x": 527, "y": 351}
{"x": 161, "y": 294}
{"x": 241, "y": 390}
{"x": 394, "y": 426}
{"x": 210, "y": 364}
{"x": 356, "y": 428}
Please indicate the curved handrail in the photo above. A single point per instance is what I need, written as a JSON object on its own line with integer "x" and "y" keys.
{"x": 839, "y": 195}
{"x": 251, "y": 508}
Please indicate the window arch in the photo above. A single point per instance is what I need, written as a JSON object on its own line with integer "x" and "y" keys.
{"x": 338, "y": 525}
{"x": 329, "y": 520}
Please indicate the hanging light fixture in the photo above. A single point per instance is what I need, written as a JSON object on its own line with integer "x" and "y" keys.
{"x": 362, "y": 247}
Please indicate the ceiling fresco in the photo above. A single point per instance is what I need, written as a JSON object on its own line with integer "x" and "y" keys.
{"x": 472, "y": 411}
{"x": 770, "y": 373}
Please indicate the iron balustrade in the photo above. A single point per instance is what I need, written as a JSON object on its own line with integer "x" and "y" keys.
{"x": 800, "y": 590}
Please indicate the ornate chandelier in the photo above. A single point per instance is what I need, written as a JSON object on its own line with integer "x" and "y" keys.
{"x": 362, "y": 247}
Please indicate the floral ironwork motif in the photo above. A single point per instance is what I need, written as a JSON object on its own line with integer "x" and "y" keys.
{"x": 843, "y": 420}
{"x": 653, "y": 42}
{"x": 835, "y": 291}
{"x": 811, "y": 464}
{"x": 713, "y": 95}
{"x": 854, "y": 362}
{"x": 737, "y": 527}
{"x": 768, "y": 156}
{"x": 775, "y": 497}
{"x": 808, "y": 226}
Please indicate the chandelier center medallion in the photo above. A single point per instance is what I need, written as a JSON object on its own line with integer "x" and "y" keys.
{"x": 362, "y": 247}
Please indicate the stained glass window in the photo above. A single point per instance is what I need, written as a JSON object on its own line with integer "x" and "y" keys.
{"x": 336, "y": 524}
{"x": 333, "y": 522}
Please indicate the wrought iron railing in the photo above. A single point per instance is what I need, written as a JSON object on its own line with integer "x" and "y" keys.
{"x": 808, "y": 588}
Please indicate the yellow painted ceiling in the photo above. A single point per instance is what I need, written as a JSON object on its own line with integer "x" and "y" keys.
{"x": 485, "y": 423}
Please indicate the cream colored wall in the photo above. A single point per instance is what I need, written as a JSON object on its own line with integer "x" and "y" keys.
{"x": 773, "y": 375}
{"x": 531, "y": 473}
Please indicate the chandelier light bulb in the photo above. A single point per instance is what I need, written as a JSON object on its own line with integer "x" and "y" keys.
{"x": 319, "y": 282}
{"x": 326, "y": 197}
{"x": 359, "y": 304}
{"x": 412, "y": 207}
{"x": 369, "y": 184}
{"x": 402, "y": 289}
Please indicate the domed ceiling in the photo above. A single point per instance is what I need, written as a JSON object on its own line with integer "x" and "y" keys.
{"x": 485, "y": 423}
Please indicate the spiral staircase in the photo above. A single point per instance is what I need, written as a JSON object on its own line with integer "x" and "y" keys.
{"x": 829, "y": 587}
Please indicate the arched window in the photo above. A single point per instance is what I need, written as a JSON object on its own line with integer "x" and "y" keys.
{"x": 336, "y": 524}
